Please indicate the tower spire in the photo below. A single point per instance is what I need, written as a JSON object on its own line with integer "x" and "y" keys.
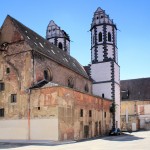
{"x": 58, "y": 37}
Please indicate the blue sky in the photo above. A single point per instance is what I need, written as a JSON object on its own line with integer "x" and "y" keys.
{"x": 74, "y": 16}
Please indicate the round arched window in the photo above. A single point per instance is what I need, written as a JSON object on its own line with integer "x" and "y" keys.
{"x": 70, "y": 82}
{"x": 47, "y": 75}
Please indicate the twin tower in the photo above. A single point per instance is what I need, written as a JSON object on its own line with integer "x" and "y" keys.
{"x": 104, "y": 68}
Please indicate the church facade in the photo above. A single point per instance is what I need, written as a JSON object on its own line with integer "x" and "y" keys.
{"x": 46, "y": 94}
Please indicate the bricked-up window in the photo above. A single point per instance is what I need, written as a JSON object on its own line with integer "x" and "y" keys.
{"x": 109, "y": 36}
{"x": 13, "y": 98}
{"x": 2, "y": 86}
{"x": 81, "y": 112}
{"x": 90, "y": 113}
{"x": 1, "y": 112}
{"x": 100, "y": 37}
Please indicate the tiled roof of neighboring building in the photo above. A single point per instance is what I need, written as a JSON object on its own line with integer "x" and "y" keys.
{"x": 135, "y": 89}
{"x": 41, "y": 45}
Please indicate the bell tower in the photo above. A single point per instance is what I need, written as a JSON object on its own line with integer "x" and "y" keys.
{"x": 58, "y": 37}
{"x": 104, "y": 69}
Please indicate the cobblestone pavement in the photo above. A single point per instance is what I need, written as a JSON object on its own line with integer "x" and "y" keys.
{"x": 134, "y": 141}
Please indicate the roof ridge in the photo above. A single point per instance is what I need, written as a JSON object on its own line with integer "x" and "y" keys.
{"x": 41, "y": 45}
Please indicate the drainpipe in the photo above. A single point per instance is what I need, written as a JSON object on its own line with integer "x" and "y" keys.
{"x": 102, "y": 117}
{"x": 29, "y": 92}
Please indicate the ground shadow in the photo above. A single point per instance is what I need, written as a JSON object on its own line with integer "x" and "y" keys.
{"x": 120, "y": 138}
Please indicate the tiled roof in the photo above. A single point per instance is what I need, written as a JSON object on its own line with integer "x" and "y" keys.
{"x": 41, "y": 45}
{"x": 135, "y": 89}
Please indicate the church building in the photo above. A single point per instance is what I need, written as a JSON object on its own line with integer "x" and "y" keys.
{"x": 46, "y": 94}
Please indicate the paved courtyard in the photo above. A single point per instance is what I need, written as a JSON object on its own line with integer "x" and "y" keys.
{"x": 134, "y": 141}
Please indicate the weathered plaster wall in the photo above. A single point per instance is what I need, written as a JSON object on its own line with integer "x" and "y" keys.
{"x": 66, "y": 104}
{"x": 132, "y": 112}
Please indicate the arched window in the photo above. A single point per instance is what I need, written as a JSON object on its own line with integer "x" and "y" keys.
{"x": 109, "y": 36}
{"x": 47, "y": 75}
{"x": 100, "y": 37}
{"x": 70, "y": 82}
{"x": 86, "y": 88}
{"x": 60, "y": 45}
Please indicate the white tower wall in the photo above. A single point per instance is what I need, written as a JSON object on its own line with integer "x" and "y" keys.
{"x": 105, "y": 70}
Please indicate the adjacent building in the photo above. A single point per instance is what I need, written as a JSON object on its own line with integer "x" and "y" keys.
{"x": 135, "y": 104}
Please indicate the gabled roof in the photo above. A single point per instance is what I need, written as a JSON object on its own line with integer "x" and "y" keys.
{"x": 42, "y": 46}
{"x": 135, "y": 89}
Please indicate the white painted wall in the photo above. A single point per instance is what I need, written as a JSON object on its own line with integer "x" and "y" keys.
{"x": 117, "y": 73}
{"x": 93, "y": 54}
{"x": 101, "y": 72}
{"x": 100, "y": 53}
{"x": 147, "y": 109}
{"x": 14, "y": 129}
{"x": 40, "y": 129}
{"x": 99, "y": 89}
{"x": 116, "y": 52}
{"x": 44, "y": 129}
{"x": 110, "y": 51}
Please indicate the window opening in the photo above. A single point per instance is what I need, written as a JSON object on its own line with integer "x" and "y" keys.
{"x": 7, "y": 70}
{"x": 13, "y": 98}
{"x": 70, "y": 82}
{"x": 1, "y": 112}
{"x": 47, "y": 75}
{"x": 2, "y": 86}
{"x": 86, "y": 88}
{"x": 103, "y": 95}
{"x": 90, "y": 113}
{"x": 100, "y": 37}
{"x": 60, "y": 45}
{"x": 105, "y": 115}
{"x": 81, "y": 112}
{"x": 109, "y": 36}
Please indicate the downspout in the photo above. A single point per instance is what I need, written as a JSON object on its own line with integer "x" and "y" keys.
{"x": 102, "y": 116}
{"x": 29, "y": 97}
{"x": 29, "y": 92}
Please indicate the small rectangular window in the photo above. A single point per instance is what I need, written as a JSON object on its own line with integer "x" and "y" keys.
{"x": 13, "y": 98}
{"x": 105, "y": 115}
{"x": 81, "y": 112}
{"x": 7, "y": 70}
{"x": 2, "y": 86}
{"x": 90, "y": 113}
{"x": 1, "y": 112}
